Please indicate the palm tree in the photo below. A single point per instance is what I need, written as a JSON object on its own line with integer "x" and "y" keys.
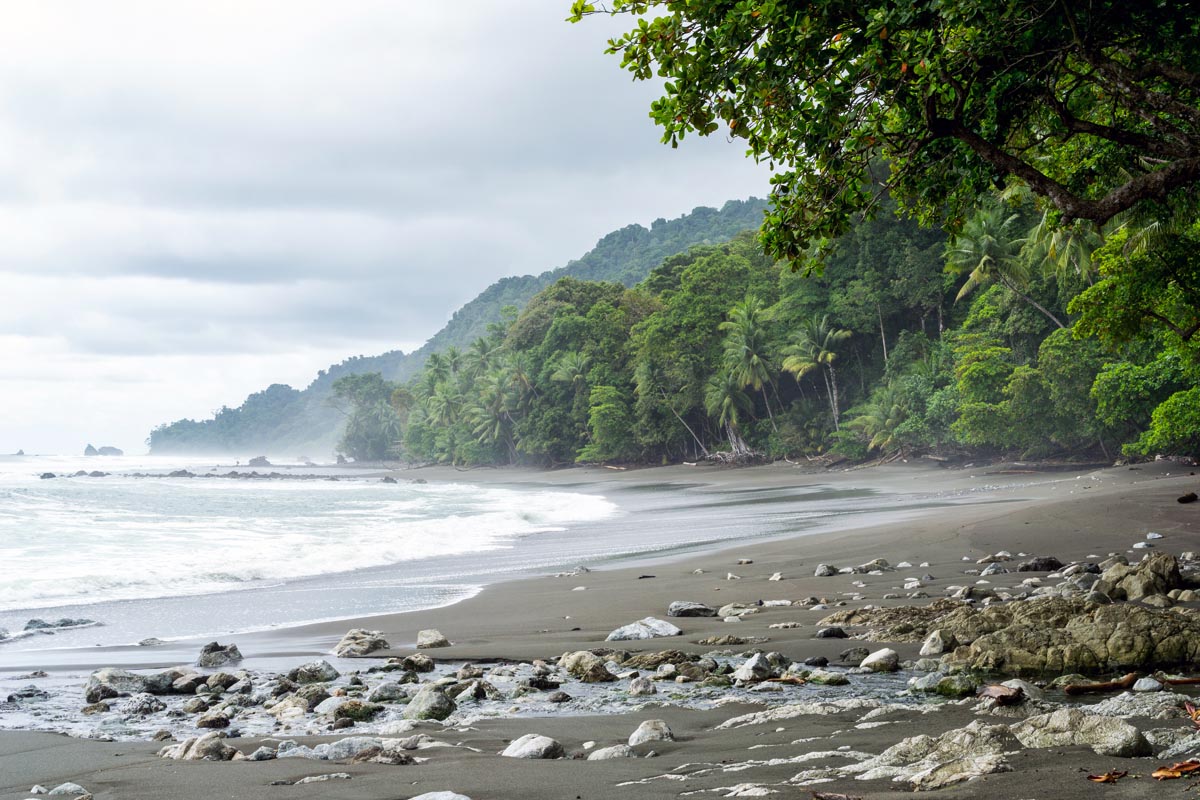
{"x": 725, "y": 400}
{"x": 880, "y": 419}
{"x": 989, "y": 249}
{"x": 814, "y": 350}
{"x": 744, "y": 350}
{"x": 444, "y": 405}
{"x": 480, "y": 356}
{"x": 490, "y": 412}
{"x": 572, "y": 368}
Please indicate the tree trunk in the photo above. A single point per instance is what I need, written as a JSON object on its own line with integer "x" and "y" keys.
{"x": 767, "y": 403}
{"x": 834, "y": 397}
{"x": 681, "y": 422}
{"x": 882, "y": 334}
{"x": 1009, "y": 285}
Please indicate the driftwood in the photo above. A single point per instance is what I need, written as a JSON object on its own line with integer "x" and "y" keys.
{"x": 834, "y": 796}
{"x": 1179, "y": 681}
{"x": 1123, "y": 684}
{"x": 1003, "y": 695}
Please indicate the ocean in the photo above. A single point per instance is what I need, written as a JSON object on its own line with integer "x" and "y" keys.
{"x": 145, "y": 555}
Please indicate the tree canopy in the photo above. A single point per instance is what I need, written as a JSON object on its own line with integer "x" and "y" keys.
{"x": 1091, "y": 105}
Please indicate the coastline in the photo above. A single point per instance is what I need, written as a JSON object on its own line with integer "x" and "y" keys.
{"x": 1063, "y": 514}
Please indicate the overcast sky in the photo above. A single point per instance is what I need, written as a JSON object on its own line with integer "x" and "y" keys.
{"x": 198, "y": 199}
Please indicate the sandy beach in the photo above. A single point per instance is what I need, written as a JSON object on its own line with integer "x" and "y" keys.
{"x": 956, "y": 516}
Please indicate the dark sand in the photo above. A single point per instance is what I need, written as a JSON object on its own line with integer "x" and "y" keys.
{"x": 1071, "y": 515}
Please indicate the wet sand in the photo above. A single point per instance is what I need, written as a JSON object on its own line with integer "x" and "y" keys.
{"x": 1070, "y": 514}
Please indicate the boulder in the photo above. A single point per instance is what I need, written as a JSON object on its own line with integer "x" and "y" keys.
{"x": 652, "y": 730}
{"x": 209, "y": 747}
{"x": 648, "y": 628}
{"x": 532, "y": 745}
{"x": 141, "y": 704}
{"x": 938, "y": 642}
{"x": 640, "y": 687}
{"x": 586, "y": 666}
{"x": 754, "y": 669}
{"x": 885, "y": 660}
{"x": 430, "y": 703}
{"x": 213, "y": 719}
{"x": 360, "y": 642}
{"x": 1156, "y": 574}
{"x": 825, "y": 571}
{"x": 827, "y": 678}
{"x": 929, "y": 762}
{"x": 319, "y": 671}
{"x": 387, "y": 692}
{"x": 687, "y": 608}
{"x": 1040, "y": 564}
{"x": 1107, "y": 736}
{"x": 214, "y": 655}
{"x": 110, "y": 682}
{"x": 431, "y": 638}
{"x": 616, "y": 751}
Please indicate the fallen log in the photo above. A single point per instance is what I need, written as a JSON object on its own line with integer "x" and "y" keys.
{"x": 1124, "y": 684}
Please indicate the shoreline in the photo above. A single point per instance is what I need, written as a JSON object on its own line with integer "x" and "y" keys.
{"x": 512, "y": 623}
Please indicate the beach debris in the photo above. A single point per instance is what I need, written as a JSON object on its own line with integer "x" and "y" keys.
{"x": 430, "y": 638}
{"x": 688, "y": 608}
{"x": 616, "y": 751}
{"x": 1002, "y": 695}
{"x": 360, "y": 642}
{"x": 834, "y": 796}
{"x": 646, "y": 628}
{"x": 531, "y": 745}
{"x": 729, "y": 576}
{"x": 885, "y": 660}
{"x": 741, "y": 562}
{"x": 776, "y": 576}
{"x": 1112, "y": 776}
{"x": 214, "y": 655}
{"x": 1124, "y": 683}
{"x": 1176, "y": 770}
{"x": 430, "y": 702}
{"x": 1190, "y": 497}
{"x": 645, "y": 577}
{"x": 651, "y": 730}
{"x": 1107, "y": 736}
{"x": 332, "y": 776}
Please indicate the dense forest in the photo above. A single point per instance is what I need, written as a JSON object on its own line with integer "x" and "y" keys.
{"x": 1009, "y": 338}
{"x": 281, "y": 419}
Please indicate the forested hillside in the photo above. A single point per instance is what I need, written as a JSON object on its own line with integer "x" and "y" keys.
{"x": 1007, "y": 338}
{"x": 281, "y": 419}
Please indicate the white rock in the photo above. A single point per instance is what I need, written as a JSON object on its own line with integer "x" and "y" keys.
{"x": 68, "y": 788}
{"x": 531, "y": 745}
{"x": 616, "y": 751}
{"x": 648, "y": 628}
{"x": 431, "y": 638}
{"x": 885, "y": 660}
{"x": 1153, "y": 535}
{"x": 778, "y": 576}
{"x": 441, "y": 796}
{"x": 652, "y": 730}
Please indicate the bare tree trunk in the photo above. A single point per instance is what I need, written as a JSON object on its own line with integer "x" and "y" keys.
{"x": 1012, "y": 288}
{"x": 882, "y": 334}
{"x": 767, "y": 403}
{"x": 681, "y": 422}
{"x": 834, "y": 397}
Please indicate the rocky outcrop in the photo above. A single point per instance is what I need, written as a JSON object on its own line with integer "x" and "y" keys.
{"x": 1107, "y": 736}
{"x": 360, "y": 642}
{"x": 1055, "y": 635}
{"x": 1156, "y": 574}
{"x": 932, "y": 762}
{"x": 893, "y": 624}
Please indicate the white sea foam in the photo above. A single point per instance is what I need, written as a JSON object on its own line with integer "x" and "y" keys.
{"x": 88, "y": 540}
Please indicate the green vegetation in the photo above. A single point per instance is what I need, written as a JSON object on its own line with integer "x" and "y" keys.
{"x": 906, "y": 342}
{"x": 282, "y": 420}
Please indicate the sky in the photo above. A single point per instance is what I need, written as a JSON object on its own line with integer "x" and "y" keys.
{"x": 198, "y": 199}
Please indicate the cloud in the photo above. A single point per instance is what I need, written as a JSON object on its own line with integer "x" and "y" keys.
{"x": 294, "y": 179}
